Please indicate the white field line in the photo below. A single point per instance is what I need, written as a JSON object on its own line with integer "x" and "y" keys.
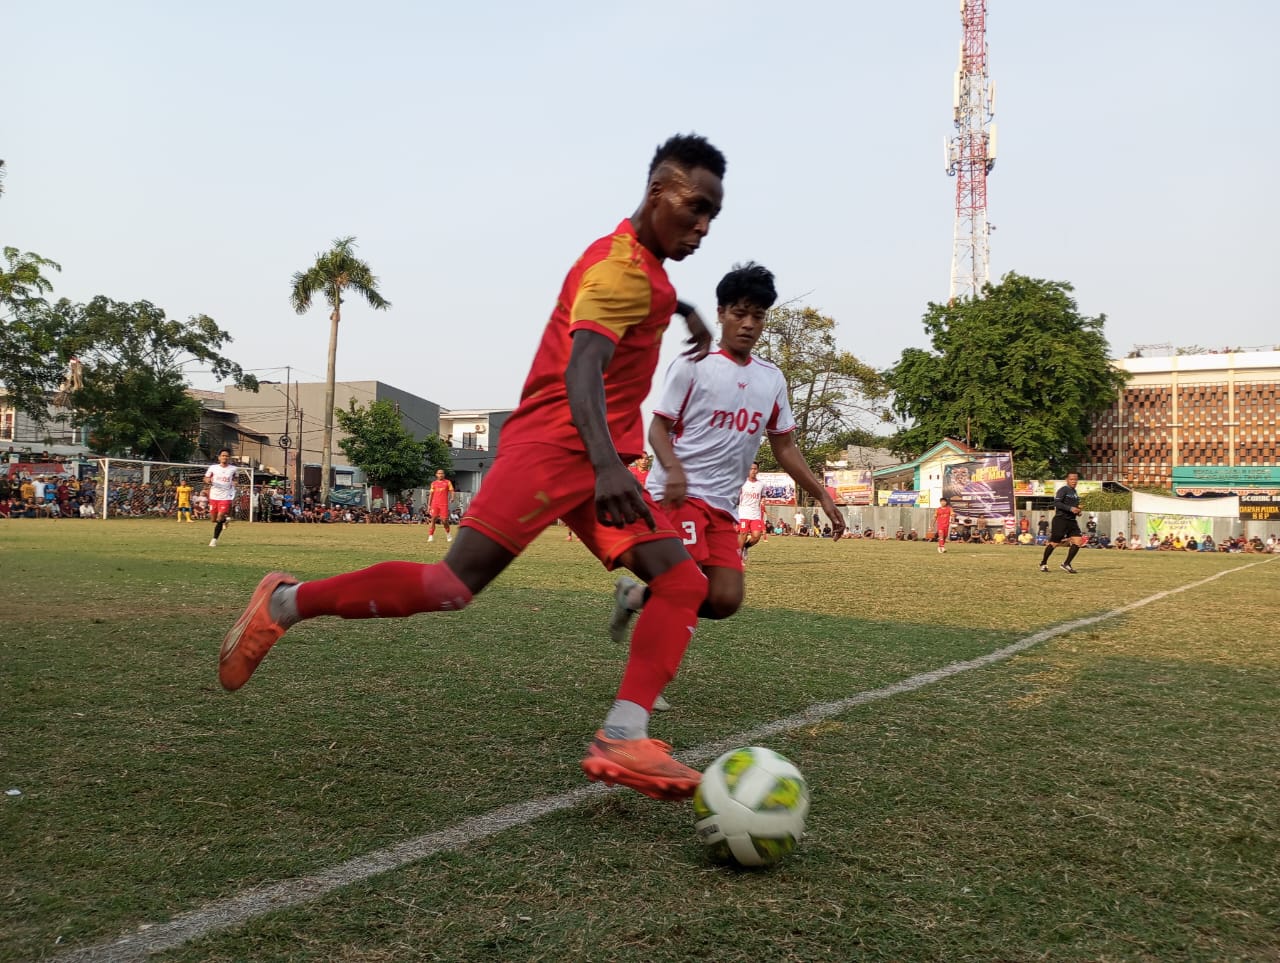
{"x": 233, "y": 911}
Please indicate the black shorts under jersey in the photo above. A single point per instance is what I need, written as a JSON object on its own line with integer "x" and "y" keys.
{"x": 1063, "y": 528}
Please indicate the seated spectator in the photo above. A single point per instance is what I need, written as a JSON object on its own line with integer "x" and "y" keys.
{"x": 913, "y": 536}
{"x": 1154, "y": 543}
{"x": 1026, "y": 538}
{"x": 1206, "y": 544}
{"x": 1120, "y": 541}
{"x": 1104, "y": 541}
{"x": 1192, "y": 544}
{"x": 87, "y": 510}
{"x": 1177, "y": 545}
{"x": 826, "y": 531}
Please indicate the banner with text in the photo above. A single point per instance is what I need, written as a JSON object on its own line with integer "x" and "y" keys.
{"x": 981, "y": 487}
{"x": 779, "y": 489}
{"x": 1179, "y": 526}
{"x": 851, "y": 487}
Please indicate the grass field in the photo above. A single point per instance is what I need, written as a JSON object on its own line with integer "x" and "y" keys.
{"x": 1109, "y": 793}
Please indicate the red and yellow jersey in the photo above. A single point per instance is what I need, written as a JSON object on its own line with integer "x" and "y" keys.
{"x": 441, "y": 489}
{"x": 619, "y": 289}
{"x": 942, "y": 518}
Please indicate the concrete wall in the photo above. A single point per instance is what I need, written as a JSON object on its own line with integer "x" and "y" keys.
{"x": 1109, "y": 523}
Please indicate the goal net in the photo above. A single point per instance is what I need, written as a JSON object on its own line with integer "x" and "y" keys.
{"x": 130, "y": 488}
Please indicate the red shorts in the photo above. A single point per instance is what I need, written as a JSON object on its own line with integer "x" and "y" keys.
{"x": 219, "y": 508}
{"x": 531, "y": 485}
{"x": 710, "y": 535}
{"x": 439, "y": 514}
{"x": 752, "y": 526}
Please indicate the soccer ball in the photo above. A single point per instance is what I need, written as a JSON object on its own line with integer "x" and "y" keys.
{"x": 751, "y": 806}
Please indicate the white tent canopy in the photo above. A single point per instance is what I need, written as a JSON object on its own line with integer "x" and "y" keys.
{"x": 1225, "y": 507}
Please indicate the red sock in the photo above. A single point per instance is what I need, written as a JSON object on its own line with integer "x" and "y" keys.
{"x": 662, "y": 632}
{"x": 389, "y": 590}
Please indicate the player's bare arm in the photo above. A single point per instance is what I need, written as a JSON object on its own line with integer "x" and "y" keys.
{"x": 618, "y": 497}
{"x": 676, "y": 487}
{"x": 792, "y": 462}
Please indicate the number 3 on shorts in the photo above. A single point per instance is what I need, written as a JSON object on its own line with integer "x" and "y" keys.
{"x": 690, "y": 532}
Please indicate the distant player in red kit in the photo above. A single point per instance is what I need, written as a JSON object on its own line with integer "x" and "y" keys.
{"x": 564, "y": 454}
{"x": 438, "y": 505}
{"x": 640, "y": 469}
{"x": 942, "y": 522}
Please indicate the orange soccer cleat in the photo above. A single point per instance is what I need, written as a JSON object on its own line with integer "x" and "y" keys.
{"x": 253, "y": 635}
{"x": 644, "y": 765}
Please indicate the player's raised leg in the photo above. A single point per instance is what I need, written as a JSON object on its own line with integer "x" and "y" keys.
{"x": 385, "y": 590}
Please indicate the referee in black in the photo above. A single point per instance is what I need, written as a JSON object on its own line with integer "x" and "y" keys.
{"x": 1066, "y": 526}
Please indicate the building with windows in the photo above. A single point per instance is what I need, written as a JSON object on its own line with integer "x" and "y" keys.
{"x": 20, "y": 431}
{"x": 1193, "y": 423}
{"x": 472, "y": 436}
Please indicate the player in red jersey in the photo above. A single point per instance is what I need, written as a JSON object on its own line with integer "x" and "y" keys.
{"x": 564, "y": 454}
{"x": 942, "y": 523}
{"x": 640, "y": 469}
{"x": 438, "y": 505}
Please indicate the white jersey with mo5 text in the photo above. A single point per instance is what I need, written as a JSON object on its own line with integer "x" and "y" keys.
{"x": 720, "y": 410}
{"x": 222, "y": 482}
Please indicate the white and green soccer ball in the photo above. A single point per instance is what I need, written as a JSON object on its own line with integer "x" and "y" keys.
{"x": 751, "y": 806}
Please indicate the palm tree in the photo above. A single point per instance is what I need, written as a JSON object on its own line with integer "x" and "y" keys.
{"x": 334, "y": 272}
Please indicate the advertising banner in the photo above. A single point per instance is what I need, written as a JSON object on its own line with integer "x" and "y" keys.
{"x": 779, "y": 489}
{"x": 903, "y": 498}
{"x": 1179, "y": 526}
{"x": 851, "y": 487}
{"x": 981, "y": 487}
{"x": 36, "y": 468}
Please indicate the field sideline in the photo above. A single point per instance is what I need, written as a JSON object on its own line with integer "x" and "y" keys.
{"x": 1100, "y": 791}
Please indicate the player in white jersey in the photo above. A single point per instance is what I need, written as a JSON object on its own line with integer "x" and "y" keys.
{"x": 220, "y": 485}
{"x": 706, "y": 430}
{"x": 750, "y": 511}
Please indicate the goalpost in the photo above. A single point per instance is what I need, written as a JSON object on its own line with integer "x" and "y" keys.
{"x": 132, "y": 488}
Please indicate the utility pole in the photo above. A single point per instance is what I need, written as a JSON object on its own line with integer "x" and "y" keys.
{"x": 288, "y": 376}
{"x": 298, "y": 475}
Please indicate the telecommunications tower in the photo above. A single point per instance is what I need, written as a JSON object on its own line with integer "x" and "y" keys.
{"x": 971, "y": 154}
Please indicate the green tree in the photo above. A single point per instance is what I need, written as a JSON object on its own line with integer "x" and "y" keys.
{"x": 334, "y": 272}
{"x": 1019, "y": 369}
{"x": 833, "y": 393}
{"x": 134, "y": 396}
{"x": 379, "y": 445}
{"x": 30, "y": 333}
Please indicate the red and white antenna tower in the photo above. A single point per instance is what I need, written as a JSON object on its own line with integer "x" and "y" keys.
{"x": 971, "y": 154}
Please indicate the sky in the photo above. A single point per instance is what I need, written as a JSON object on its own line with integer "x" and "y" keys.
{"x": 198, "y": 155}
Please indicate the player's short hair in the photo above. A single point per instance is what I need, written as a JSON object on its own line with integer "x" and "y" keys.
{"x": 221, "y": 450}
{"x": 689, "y": 151}
{"x": 750, "y": 282}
